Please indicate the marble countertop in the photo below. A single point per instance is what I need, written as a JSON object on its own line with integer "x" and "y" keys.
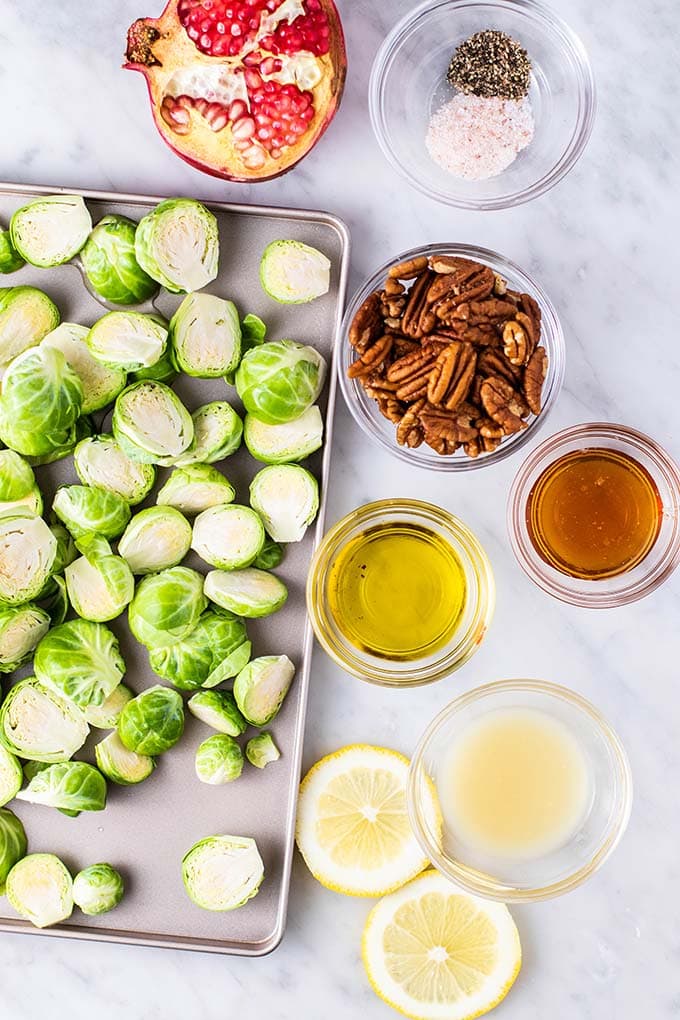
{"x": 603, "y": 244}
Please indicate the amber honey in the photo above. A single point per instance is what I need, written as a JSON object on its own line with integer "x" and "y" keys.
{"x": 594, "y": 513}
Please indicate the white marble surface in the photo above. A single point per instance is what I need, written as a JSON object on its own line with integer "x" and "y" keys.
{"x": 603, "y": 244}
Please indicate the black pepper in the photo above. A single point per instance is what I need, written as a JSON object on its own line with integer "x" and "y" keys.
{"x": 491, "y": 64}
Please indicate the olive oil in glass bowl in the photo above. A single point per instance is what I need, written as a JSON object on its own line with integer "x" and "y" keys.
{"x": 400, "y": 593}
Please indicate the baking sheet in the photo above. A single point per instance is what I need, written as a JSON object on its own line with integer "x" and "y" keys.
{"x": 146, "y": 829}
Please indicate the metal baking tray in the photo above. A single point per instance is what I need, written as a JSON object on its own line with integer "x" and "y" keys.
{"x": 145, "y": 830}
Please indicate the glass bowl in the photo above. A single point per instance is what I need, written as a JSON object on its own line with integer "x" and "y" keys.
{"x": 512, "y": 878}
{"x": 476, "y": 615}
{"x": 633, "y": 584}
{"x": 364, "y": 409}
{"x": 408, "y": 84}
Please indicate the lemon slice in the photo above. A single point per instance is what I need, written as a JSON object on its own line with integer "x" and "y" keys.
{"x": 433, "y": 952}
{"x": 352, "y": 825}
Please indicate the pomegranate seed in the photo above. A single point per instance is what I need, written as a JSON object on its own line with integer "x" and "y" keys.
{"x": 242, "y": 144}
{"x": 252, "y": 59}
{"x": 243, "y": 128}
{"x": 185, "y": 101}
{"x": 220, "y": 121}
{"x": 269, "y": 86}
{"x": 291, "y": 139}
{"x": 254, "y": 157}
{"x": 237, "y": 109}
{"x": 298, "y": 126}
{"x": 179, "y": 115}
{"x": 308, "y": 114}
{"x": 275, "y": 153}
{"x": 277, "y": 142}
{"x": 201, "y": 105}
{"x": 264, "y": 134}
{"x": 253, "y": 80}
{"x": 268, "y": 66}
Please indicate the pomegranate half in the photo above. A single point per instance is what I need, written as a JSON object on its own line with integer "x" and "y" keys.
{"x": 241, "y": 89}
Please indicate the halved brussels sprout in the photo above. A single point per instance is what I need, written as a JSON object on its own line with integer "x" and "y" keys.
{"x": 99, "y": 584}
{"x": 84, "y": 509}
{"x": 284, "y": 444}
{"x": 97, "y": 889}
{"x": 228, "y": 536}
{"x": 279, "y": 380}
{"x": 253, "y": 333}
{"x": 13, "y": 844}
{"x": 10, "y": 259}
{"x": 101, "y": 383}
{"x": 41, "y": 400}
{"x": 11, "y": 778}
{"x": 217, "y": 434}
{"x": 120, "y": 765}
{"x": 82, "y": 661}
{"x": 152, "y": 722}
{"x": 106, "y": 715}
{"x": 151, "y": 423}
{"x": 26, "y": 316}
{"x": 66, "y": 548}
{"x": 205, "y": 334}
{"x": 219, "y": 760}
{"x": 216, "y": 649}
{"x": 195, "y": 488}
{"x": 249, "y": 592}
{"x": 54, "y": 600}
{"x": 128, "y": 340}
{"x": 28, "y": 550}
{"x": 261, "y": 750}
{"x": 18, "y": 486}
{"x": 222, "y": 872}
{"x": 40, "y": 888}
{"x": 270, "y": 556}
{"x": 67, "y": 785}
{"x": 167, "y": 606}
{"x": 21, "y": 628}
{"x": 293, "y": 273}
{"x": 286, "y": 497}
{"x": 165, "y": 370}
{"x": 156, "y": 538}
{"x": 218, "y": 710}
{"x": 111, "y": 266}
{"x": 177, "y": 244}
{"x": 261, "y": 686}
{"x": 64, "y": 442}
{"x": 50, "y": 231}
{"x": 101, "y": 463}
{"x": 37, "y": 723}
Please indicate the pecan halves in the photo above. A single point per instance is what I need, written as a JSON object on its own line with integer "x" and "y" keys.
{"x": 502, "y": 403}
{"x": 371, "y": 358}
{"x": 492, "y": 362}
{"x": 367, "y": 324}
{"x": 443, "y": 432}
{"x": 416, "y": 306}
{"x": 534, "y": 377}
{"x": 516, "y": 343}
{"x": 451, "y": 376}
{"x": 409, "y": 429}
{"x": 409, "y": 269}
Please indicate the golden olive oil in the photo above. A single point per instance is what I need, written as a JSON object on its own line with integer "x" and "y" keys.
{"x": 397, "y": 591}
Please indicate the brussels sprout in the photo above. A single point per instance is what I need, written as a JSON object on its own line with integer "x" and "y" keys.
{"x": 177, "y": 244}
{"x": 156, "y": 538}
{"x": 84, "y": 509}
{"x": 219, "y": 760}
{"x": 270, "y": 556}
{"x": 97, "y": 889}
{"x": 81, "y": 661}
{"x": 261, "y": 686}
{"x": 261, "y": 750}
{"x": 67, "y": 551}
{"x": 31, "y": 770}
{"x": 151, "y": 423}
{"x": 152, "y": 722}
{"x": 217, "y": 434}
{"x": 49, "y": 231}
{"x": 41, "y": 399}
{"x": 21, "y": 628}
{"x": 106, "y": 715}
{"x": 216, "y": 649}
{"x": 249, "y": 592}
{"x": 167, "y": 606}
{"x": 228, "y": 536}
{"x": 26, "y": 316}
{"x": 40, "y": 888}
{"x": 222, "y": 872}
{"x": 120, "y": 765}
{"x": 282, "y": 444}
{"x": 73, "y": 785}
{"x": 205, "y": 334}
{"x": 128, "y": 340}
{"x": 253, "y": 333}
{"x": 110, "y": 264}
{"x": 218, "y": 710}
{"x": 195, "y": 488}
{"x": 278, "y": 381}
{"x": 11, "y": 778}
{"x": 99, "y": 584}
{"x": 101, "y": 383}
{"x": 82, "y": 429}
{"x": 293, "y": 273}
{"x": 286, "y": 497}
{"x": 17, "y": 484}
{"x": 164, "y": 370}
{"x": 13, "y": 844}
{"x": 100, "y": 462}
{"x": 53, "y": 600}
{"x": 10, "y": 259}
{"x": 27, "y": 554}
{"x": 37, "y": 723}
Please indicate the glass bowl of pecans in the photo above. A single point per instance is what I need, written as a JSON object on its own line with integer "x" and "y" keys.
{"x": 451, "y": 357}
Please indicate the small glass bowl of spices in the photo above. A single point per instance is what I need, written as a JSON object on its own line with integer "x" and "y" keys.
{"x": 482, "y": 105}
{"x": 594, "y": 515}
{"x": 400, "y": 593}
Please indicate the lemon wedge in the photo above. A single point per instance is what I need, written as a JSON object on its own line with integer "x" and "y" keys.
{"x": 433, "y": 952}
{"x": 352, "y": 825}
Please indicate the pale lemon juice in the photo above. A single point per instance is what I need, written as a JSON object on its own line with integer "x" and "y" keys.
{"x": 515, "y": 783}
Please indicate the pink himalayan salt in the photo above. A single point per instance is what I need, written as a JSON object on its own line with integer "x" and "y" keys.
{"x": 477, "y": 138}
